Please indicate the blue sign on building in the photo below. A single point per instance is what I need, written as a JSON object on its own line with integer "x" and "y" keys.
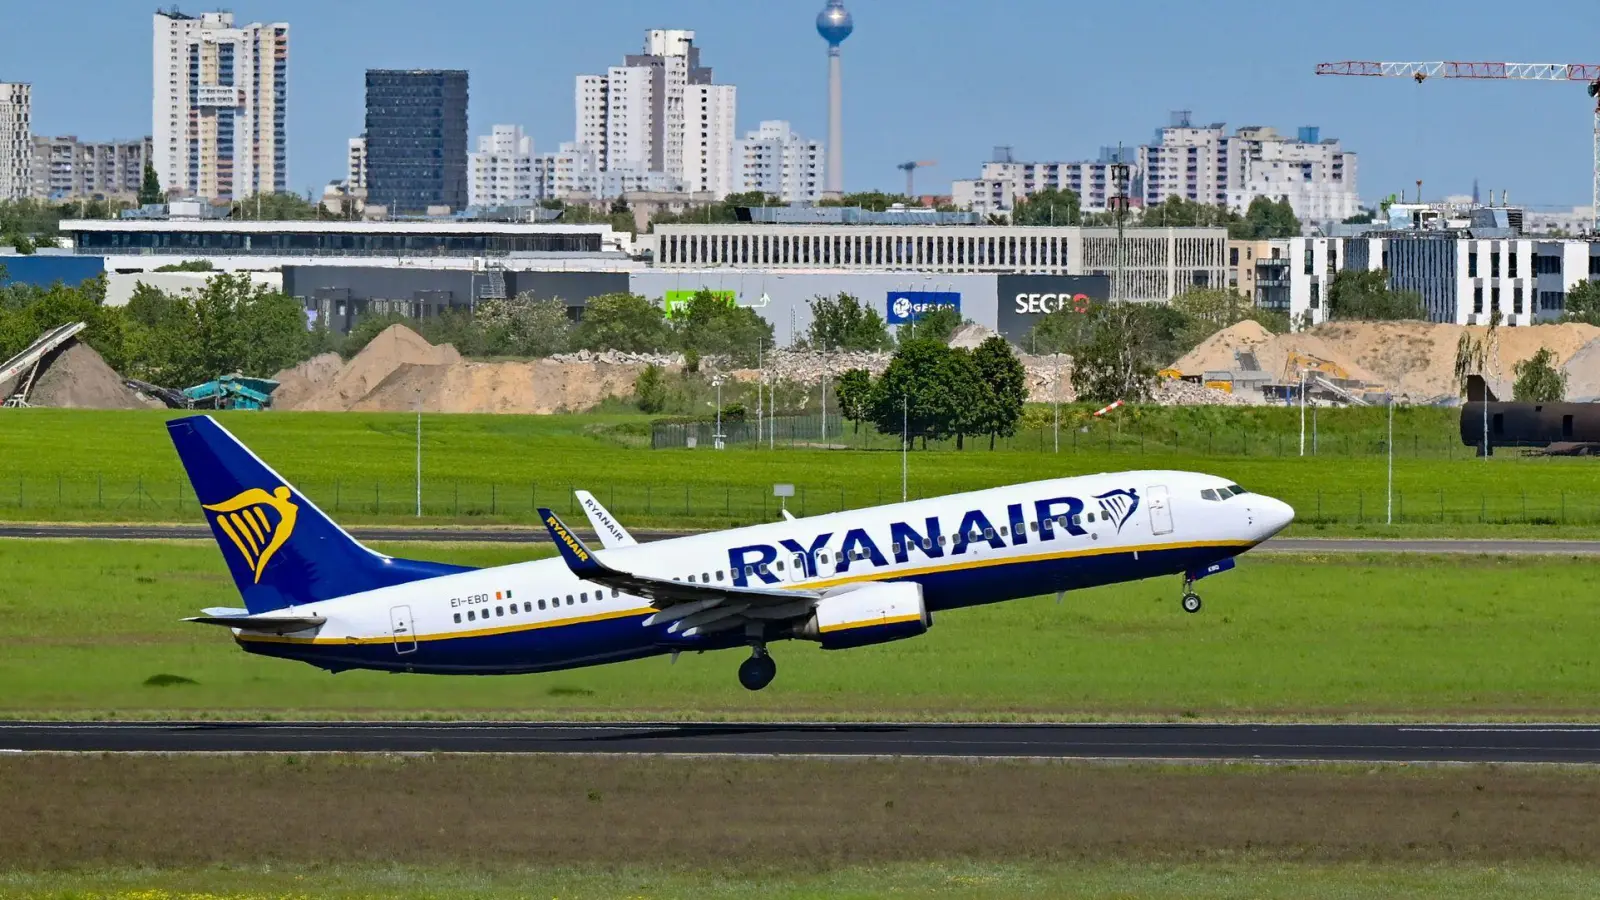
{"x": 45, "y": 269}
{"x": 908, "y": 306}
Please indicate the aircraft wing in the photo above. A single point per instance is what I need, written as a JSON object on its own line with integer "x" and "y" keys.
{"x": 605, "y": 525}
{"x": 664, "y": 593}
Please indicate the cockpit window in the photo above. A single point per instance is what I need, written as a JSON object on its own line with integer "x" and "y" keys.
{"x": 1209, "y": 494}
{"x": 1236, "y": 489}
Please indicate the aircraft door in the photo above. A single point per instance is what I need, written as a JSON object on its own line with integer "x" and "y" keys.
{"x": 403, "y": 629}
{"x": 1160, "y": 509}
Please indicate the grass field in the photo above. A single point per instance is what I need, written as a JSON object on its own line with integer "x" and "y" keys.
{"x": 268, "y": 826}
{"x": 91, "y": 629}
{"x": 119, "y": 466}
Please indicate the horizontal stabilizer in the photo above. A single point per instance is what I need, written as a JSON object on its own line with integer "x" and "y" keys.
{"x": 268, "y": 624}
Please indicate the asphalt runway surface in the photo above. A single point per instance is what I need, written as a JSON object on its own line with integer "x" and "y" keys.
{"x": 540, "y": 536}
{"x": 1349, "y": 743}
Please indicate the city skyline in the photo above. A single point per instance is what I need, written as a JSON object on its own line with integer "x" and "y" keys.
{"x": 1004, "y": 84}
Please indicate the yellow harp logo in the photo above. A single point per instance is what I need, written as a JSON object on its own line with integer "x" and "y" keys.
{"x": 245, "y": 521}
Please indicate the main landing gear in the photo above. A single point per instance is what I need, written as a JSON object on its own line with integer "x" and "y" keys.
{"x": 1191, "y": 600}
{"x": 758, "y": 671}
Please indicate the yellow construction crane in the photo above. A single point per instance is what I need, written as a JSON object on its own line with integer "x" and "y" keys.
{"x": 910, "y": 168}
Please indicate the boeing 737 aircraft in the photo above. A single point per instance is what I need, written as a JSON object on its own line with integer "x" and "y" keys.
{"x": 867, "y": 576}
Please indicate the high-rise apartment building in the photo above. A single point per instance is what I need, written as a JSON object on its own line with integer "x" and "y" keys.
{"x": 501, "y": 171}
{"x": 355, "y": 176}
{"x": 416, "y": 139}
{"x": 220, "y": 105}
{"x": 65, "y": 168}
{"x": 1003, "y": 181}
{"x": 1205, "y": 164}
{"x": 16, "y": 140}
{"x": 659, "y": 112}
{"x": 776, "y": 161}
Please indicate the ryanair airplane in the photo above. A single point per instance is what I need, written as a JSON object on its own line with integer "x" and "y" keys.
{"x": 315, "y": 594}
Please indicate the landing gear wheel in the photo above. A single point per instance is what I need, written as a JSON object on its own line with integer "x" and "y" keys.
{"x": 758, "y": 671}
{"x": 1191, "y": 602}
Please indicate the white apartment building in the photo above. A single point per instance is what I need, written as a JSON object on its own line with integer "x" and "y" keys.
{"x": 16, "y": 140}
{"x": 65, "y": 168}
{"x": 220, "y": 105}
{"x": 776, "y": 161}
{"x": 501, "y": 171}
{"x": 1002, "y": 183}
{"x": 1205, "y": 164}
{"x": 355, "y": 176}
{"x": 660, "y": 112}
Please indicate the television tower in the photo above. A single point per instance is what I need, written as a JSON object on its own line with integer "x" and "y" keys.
{"x": 834, "y": 24}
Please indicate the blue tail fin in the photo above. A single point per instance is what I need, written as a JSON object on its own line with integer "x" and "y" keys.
{"x": 281, "y": 549}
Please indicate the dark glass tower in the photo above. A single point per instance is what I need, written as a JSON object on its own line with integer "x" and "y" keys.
{"x": 416, "y": 139}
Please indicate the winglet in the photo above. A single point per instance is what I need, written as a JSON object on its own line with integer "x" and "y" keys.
{"x": 579, "y": 558}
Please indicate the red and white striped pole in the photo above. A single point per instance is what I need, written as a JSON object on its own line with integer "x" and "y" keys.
{"x": 1104, "y": 410}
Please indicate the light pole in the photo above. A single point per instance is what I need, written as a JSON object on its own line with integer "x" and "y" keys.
{"x": 1057, "y": 378}
{"x": 419, "y": 452}
{"x": 905, "y": 438}
{"x": 716, "y": 381}
{"x": 1389, "y": 516}
{"x": 1302, "y": 412}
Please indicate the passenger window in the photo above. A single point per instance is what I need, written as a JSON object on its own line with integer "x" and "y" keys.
{"x": 895, "y": 548}
{"x": 1033, "y": 526}
{"x": 458, "y": 618}
{"x": 704, "y": 577}
{"x": 988, "y": 533}
{"x": 613, "y": 592}
{"x": 471, "y": 615}
{"x": 499, "y": 610}
{"x": 541, "y": 604}
{"x": 1091, "y": 517}
{"x": 719, "y": 578}
{"x": 942, "y": 541}
{"x": 927, "y": 544}
{"x": 569, "y": 599}
{"x": 780, "y": 565}
{"x": 823, "y": 557}
{"x": 583, "y": 597}
{"x": 527, "y": 606}
{"x": 1003, "y": 531}
{"x": 691, "y": 579}
{"x": 749, "y": 570}
{"x": 762, "y": 568}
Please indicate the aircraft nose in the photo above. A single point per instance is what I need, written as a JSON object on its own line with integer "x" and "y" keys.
{"x": 1272, "y": 516}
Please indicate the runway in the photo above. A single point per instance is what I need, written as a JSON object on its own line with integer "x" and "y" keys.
{"x": 401, "y": 533}
{"x": 1336, "y": 743}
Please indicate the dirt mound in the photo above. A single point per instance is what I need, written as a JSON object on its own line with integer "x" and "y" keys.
{"x": 970, "y": 335}
{"x": 537, "y": 387}
{"x": 1583, "y": 373}
{"x": 394, "y": 347}
{"x": 77, "y": 378}
{"x": 1216, "y": 352}
{"x": 301, "y": 383}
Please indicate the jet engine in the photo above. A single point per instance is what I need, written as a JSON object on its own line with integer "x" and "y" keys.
{"x": 870, "y": 614}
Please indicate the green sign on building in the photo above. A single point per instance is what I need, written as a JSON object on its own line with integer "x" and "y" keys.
{"x": 672, "y": 301}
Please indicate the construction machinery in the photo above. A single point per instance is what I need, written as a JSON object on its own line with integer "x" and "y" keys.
{"x": 1419, "y": 72}
{"x": 231, "y": 392}
{"x": 29, "y": 359}
{"x": 910, "y": 168}
{"x": 1297, "y": 362}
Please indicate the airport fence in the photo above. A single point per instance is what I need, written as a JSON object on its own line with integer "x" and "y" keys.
{"x": 690, "y": 505}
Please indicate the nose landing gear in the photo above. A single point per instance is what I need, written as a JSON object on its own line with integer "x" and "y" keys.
{"x": 758, "y": 671}
{"x": 1191, "y": 600}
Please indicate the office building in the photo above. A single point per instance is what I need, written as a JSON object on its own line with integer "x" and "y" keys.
{"x": 1004, "y": 181}
{"x": 16, "y": 140}
{"x": 501, "y": 170}
{"x": 65, "y": 168}
{"x": 776, "y": 161}
{"x": 659, "y": 112}
{"x": 1205, "y": 164}
{"x": 416, "y": 140}
{"x": 220, "y": 105}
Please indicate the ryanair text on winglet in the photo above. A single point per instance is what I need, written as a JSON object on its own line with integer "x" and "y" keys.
{"x": 572, "y": 544}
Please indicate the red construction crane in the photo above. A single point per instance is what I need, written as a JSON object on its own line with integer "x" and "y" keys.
{"x": 1490, "y": 71}
{"x": 910, "y": 168}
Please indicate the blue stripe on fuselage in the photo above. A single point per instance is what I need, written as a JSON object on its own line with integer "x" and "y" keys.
{"x": 545, "y": 648}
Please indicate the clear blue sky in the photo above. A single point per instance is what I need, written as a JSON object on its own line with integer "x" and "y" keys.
{"x": 924, "y": 79}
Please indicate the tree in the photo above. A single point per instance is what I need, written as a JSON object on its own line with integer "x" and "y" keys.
{"x": 1176, "y": 212}
{"x": 1119, "y": 360}
{"x": 650, "y": 390}
{"x": 1005, "y": 386}
{"x": 1538, "y": 380}
{"x": 276, "y": 207}
{"x": 876, "y": 201}
{"x": 150, "y": 192}
{"x": 188, "y": 265}
{"x": 626, "y": 322}
{"x": 1364, "y": 217}
{"x": 1048, "y": 207}
{"x": 710, "y": 325}
{"x": 1266, "y": 219}
{"x": 854, "y": 393}
{"x": 1583, "y": 303}
{"x": 1473, "y": 355}
{"x": 230, "y": 325}
{"x": 1366, "y": 295}
{"x": 904, "y": 395}
{"x": 1059, "y": 330}
{"x": 525, "y": 325}
{"x": 937, "y": 324}
{"x": 845, "y": 323}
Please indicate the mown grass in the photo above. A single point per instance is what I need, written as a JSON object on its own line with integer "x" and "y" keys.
{"x": 270, "y": 826}
{"x": 91, "y": 629}
{"x": 73, "y": 465}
